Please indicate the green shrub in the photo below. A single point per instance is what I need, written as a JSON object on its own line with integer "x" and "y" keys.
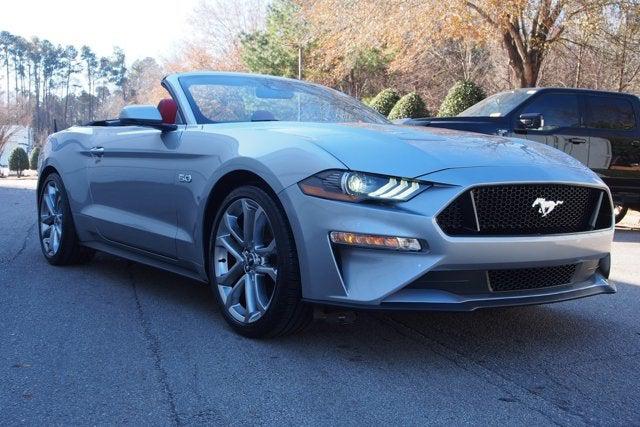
{"x": 409, "y": 106}
{"x": 35, "y": 153}
{"x": 18, "y": 161}
{"x": 384, "y": 101}
{"x": 461, "y": 96}
{"x": 366, "y": 100}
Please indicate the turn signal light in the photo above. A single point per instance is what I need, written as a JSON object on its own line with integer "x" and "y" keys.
{"x": 373, "y": 241}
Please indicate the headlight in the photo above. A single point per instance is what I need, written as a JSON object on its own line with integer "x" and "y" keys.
{"x": 358, "y": 186}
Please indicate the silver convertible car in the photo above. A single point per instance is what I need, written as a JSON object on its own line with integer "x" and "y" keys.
{"x": 282, "y": 195}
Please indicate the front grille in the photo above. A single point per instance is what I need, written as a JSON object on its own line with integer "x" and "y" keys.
{"x": 530, "y": 278}
{"x": 500, "y": 210}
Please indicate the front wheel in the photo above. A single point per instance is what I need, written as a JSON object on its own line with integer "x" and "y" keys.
{"x": 254, "y": 266}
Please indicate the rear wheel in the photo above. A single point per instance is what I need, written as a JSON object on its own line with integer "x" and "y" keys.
{"x": 619, "y": 211}
{"x": 56, "y": 230}
{"x": 254, "y": 266}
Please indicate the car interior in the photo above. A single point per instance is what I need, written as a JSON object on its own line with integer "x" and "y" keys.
{"x": 168, "y": 110}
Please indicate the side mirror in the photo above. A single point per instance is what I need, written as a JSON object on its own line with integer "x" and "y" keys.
{"x": 531, "y": 120}
{"x": 144, "y": 115}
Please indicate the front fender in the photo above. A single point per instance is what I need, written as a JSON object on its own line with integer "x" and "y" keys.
{"x": 275, "y": 168}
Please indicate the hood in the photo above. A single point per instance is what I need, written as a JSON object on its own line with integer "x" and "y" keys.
{"x": 427, "y": 121}
{"x": 488, "y": 125}
{"x": 411, "y": 151}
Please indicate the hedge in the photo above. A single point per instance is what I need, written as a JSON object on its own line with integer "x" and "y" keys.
{"x": 33, "y": 163}
{"x": 409, "y": 106}
{"x": 18, "y": 161}
{"x": 384, "y": 101}
{"x": 461, "y": 96}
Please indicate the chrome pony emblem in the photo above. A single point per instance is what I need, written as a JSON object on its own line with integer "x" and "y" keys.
{"x": 546, "y": 206}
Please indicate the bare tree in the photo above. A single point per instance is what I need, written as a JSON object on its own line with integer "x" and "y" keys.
{"x": 623, "y": 34}
{"x": 526, "y": 29}
{"x": 217, "y": 26}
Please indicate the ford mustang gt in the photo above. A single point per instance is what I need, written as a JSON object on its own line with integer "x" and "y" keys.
{"x": 282, "y": 195}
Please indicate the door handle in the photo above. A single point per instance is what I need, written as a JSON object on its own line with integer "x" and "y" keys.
{"x": 577, "y": 140}
{"x": 97, "y": 151}
{"x": 635, "y": 143}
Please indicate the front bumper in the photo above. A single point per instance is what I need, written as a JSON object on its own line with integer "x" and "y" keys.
{"x": 374, "y": 278}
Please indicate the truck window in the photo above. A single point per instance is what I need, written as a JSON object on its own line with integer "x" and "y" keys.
{"x": 557, "y": 109}
{"x": 609, "y": 112}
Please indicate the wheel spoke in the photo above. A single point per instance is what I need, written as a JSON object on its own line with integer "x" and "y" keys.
{"x": 231, "y": 276}
{"x": 55, "y": 239}
{"x": 48, "y": 200}
{"x": 270, "y": 249}
{"x": 262, "y": 299}
{"x": 249, "y": 218}
{"x": 231, "y": 224}
{"x": 52, "y": 192}
{"x": 260, "y": 221}
{"x": 46, "y": 219}
{"x": 233, "y": 297}
{"x": 230, "y": 246}
{"x": 45, "y": 229}
{"x": 47, "y": 244}
{"x": 250, "y": 295}
{"x": 268, "y": 271}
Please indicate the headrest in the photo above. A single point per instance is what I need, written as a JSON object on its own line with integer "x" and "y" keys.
{"x": 168, "y": 110}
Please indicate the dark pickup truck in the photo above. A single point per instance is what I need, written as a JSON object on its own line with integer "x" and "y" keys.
{"x": 601, "y": 129}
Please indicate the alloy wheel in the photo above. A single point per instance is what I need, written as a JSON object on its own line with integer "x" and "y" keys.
{"x": 617, "y": 210}
{"x": 245, "y": 260}
{"x": 51, "y": 218}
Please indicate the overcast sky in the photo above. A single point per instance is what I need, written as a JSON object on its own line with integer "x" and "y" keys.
{"x": 141, "y": 27}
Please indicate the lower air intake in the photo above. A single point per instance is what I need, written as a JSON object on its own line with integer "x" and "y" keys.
{"x": 530, "y": 278}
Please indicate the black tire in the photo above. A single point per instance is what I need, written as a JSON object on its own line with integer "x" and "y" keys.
{"x": 622, "y": 212}
{"x": 286, "y": 313}
{"x": 70, "y": 251}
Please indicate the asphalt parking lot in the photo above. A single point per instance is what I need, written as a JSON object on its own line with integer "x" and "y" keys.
{"x": 117, "y": 342}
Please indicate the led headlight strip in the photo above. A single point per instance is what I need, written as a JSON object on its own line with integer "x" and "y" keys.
{"x": 397, "y": 190}
{"x": 358, "y": 186}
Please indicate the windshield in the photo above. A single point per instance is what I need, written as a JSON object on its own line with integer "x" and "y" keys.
{"x": 497, "y": 105}
{"x": 238, "y": 98}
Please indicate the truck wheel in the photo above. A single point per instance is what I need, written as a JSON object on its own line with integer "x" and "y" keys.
{"x": 619, "y": 211}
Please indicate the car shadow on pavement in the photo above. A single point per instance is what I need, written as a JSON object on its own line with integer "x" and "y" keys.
{"x": 556, "y": 327}
{"x": 586, "y": 344}
{"x": 156, "y": 284}
{"x": 626, "y": 235}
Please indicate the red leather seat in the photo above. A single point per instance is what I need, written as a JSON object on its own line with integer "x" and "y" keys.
{"x": 168, "y": 110}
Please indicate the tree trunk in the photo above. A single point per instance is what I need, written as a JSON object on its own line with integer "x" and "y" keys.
{"x": 29, "y": 82}
{"x": 6, "y": 63}
{"x": 576, "y": 82}
{"x": 90, "y": 99}
{"x": 66, "y": 96}
{"x": 15, "y": 75}
{"x": 525, "y": 71}
{"x": 623, "y": 59}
